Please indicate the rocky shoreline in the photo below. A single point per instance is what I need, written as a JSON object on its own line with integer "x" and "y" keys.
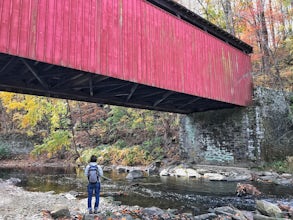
{"x": 208, "y": 172}
{"x": 233, "y": 174}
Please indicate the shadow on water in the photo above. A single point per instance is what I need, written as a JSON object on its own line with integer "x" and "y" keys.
{"x": 165, "y": 192}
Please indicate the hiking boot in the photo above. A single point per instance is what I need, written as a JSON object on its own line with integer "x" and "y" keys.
{"x": 96, "y": 211}
{"x": 90, "y": 212}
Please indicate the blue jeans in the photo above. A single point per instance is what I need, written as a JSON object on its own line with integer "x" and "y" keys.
{"x": 90, "y": 189}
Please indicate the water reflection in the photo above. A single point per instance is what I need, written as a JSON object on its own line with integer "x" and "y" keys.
{"x": 43, "y": 179}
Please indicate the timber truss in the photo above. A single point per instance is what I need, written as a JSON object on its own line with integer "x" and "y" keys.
{"x": 26, "y": 76}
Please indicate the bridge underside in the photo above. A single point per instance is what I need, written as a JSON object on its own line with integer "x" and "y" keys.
{"x": 26, "y": 76}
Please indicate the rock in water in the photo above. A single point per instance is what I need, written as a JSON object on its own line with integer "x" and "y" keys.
{"x": 134, "y": 174}
{"x": 214, "y": 176}
{"x": 268, "y": 209}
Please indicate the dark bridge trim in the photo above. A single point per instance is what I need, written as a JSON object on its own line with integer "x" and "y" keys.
{"x": 27, "y": 76}
{"x": 196, "y": 20}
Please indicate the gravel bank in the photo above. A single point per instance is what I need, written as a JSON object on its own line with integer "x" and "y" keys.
{"x": 16, "y": 203}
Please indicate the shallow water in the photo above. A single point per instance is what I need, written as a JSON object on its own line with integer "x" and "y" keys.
{"x": 165, "y": 192}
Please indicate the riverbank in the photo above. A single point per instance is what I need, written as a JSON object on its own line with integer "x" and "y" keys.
{"x": 24, "y": 161}
{"x": 16, "y": 203}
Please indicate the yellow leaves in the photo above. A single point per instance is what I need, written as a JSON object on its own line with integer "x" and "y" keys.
{"x": 25, "y": 122}
{"x": 6, "y": 97}
{"x": 15, "y": 106}
{"x": 33, "y": 113}
{"x": 30, "y": 111}
{"x": 55, "y": 120}
{"x": 137, "y": 122}
{"x": 24, "y": 107}
{"x": 49, "y": 154}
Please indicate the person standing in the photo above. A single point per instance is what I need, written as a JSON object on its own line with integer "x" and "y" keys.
{"x": 94, "y": 173}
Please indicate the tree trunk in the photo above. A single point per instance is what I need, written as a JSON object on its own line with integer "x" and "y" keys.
{"x": 282, "y": 21}
{"x": 228, "y": 16}
{"x": 272, "y": 27}
{"x": 3, "y": 124}
{"x": 264, "y": 41}
{"x": 72, "y": 128}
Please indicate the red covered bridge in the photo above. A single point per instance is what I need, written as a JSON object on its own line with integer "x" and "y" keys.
{"x": 151, "y": 54}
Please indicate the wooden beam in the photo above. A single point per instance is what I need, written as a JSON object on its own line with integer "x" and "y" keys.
{"x": 35, "y": 73}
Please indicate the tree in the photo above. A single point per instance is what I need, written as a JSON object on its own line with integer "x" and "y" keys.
{"x": 262, "y": 34}
{"x": 40, "y": 117}
{"x": 272, "y": 25}
{"x": 226, "y": 4}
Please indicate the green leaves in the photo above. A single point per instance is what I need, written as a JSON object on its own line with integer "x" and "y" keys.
{"x": 57, "y": 141}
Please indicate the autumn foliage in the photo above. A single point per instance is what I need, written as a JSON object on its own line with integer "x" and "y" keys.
{"x": 70, "y": 129}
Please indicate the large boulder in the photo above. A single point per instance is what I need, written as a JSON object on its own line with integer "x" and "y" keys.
{"x": 192, "y": 173}
{"x": 236, "y": 177}
{"x": 186, "y": 172}
{"x": 135, "y": 174}
{"x": 230, "y": 211}
{"x": 180, "y": 172}
{"x": 207, "y": 216}
{"x": 121, "y": 169}
{"x": 153, "y": 211}
{"x": 164, "y": 172}
{"x": 60, "y": 211}
{"x": 214, "y": 176}
{"x": 268, "y": 209}
{"x": 153, "y": 169}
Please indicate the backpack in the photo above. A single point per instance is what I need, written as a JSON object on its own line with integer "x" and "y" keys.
{"x": 93, "y": 174}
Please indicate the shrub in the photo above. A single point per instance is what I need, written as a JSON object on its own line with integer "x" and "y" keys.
{"x": 86, "y": 155}
{"x": 121, "y": 144}
{"x": 57, "y": 141}
{"x": 157, "y": 153}
{"x": 4, "y": 151}
{"x": 280, "y": 166}
{"x": 108, "y": 154}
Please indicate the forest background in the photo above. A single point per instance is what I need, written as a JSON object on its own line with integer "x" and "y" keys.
{"x": 72, "y": 130}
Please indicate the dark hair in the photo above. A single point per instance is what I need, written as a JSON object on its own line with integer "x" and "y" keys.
{"x": 93, "y": 158}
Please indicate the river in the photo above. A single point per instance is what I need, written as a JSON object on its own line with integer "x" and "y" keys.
{"x": 195, "y": 195}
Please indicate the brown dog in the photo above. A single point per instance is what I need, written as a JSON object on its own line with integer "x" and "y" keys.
{"x": 244, "y": 189}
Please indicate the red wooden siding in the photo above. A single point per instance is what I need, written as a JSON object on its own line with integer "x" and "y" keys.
{"x": 126, "y": 39}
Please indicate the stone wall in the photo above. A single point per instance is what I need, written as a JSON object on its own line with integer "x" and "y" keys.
{"x": 241, "y": 135}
